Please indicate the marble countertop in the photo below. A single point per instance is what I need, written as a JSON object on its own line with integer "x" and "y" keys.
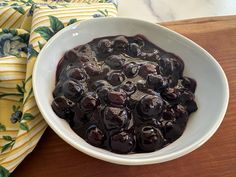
{"x": 171, "y": 10}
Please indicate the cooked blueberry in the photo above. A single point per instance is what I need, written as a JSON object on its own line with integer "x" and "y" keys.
{"x": 129, "y": 87}
{"x": 77, "y": 74}
{"x": 58, "y": 90}
{"x": 115, "y": 61}
{"x": 115, "y": 117}
{"x": 168, "y": 113}
{"x": 150, "y": 105}
{"x": 171, "y": 65}
{"x": 156, "y": 82}
{"x": 115, "y": 78}
{"x": 191, "y": 106}
{"x": 104, "y": 46}
{"x": 120, "y": 43}
{"x": 189, "y": 83}
{"x": 138, "y": 40}
{"x": 170, "y": 94}
{"x": 172, "y": 131}
{"x": 63, "y": 107}
{"x": 89, "y": 102}
{"x": 71, "y": 56}
{"x": 92, "y": 69}
{"x": 95, "y": 136}
{"x": 134, "y": 50}
{"x": 150, "y": 139}
{"x": 103, "y": 94}
{"x": 151, "y": 56}
{"x": 122, "y": 143}
{"x": 181, "y": 115}
{"x": 185, "y": 96}
{"x": 72, "y": 90}
{"x": 141, "y": 85}
{"x": 131, "y": 69}
{"x": 146, "y": 69}
{"x": 116, "y": 98}
{"x": 99, "y": 83}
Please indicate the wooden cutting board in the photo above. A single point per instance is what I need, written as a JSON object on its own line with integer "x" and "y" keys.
{"x": 217, "y": 158}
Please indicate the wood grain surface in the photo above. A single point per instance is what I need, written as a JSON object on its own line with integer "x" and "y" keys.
{"x": 217, "y": 158}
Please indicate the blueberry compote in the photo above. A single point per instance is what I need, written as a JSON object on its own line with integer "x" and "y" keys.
{"x": 124, "y": 94}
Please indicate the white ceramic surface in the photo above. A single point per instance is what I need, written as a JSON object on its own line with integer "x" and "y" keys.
{"x": 212, "y": 92}
{"x": 170, "y": 10}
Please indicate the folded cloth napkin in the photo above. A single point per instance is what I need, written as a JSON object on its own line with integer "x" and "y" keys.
{"x": 25, "y": 27}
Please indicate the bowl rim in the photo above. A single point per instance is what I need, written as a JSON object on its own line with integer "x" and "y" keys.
{"x": 121, "y": 159}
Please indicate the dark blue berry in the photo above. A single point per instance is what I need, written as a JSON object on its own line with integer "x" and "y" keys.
{"x": 122, "y": 142}
{"x": 115, "y": 118}
{"x": 150, "y": 139}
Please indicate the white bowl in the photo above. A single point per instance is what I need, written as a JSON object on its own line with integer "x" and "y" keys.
{"x": 212, "y": 92}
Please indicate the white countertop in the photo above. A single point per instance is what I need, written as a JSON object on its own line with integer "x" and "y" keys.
{"x": 170, "y": 10}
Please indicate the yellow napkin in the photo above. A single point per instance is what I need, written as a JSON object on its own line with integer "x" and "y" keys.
{"x": 25, "y": 26}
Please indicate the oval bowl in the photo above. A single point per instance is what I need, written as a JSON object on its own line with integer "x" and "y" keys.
{"x": 212, "y": 92}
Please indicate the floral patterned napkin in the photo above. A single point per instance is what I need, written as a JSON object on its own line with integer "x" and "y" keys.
{"x": 25, "y": 27}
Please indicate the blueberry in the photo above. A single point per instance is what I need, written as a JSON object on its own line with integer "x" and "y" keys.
{"x": 16, "y": 116}
{"x": 189, "y": 83}
{"x": 191, "y": 106}
{"x": 63, "y": 107}
{"x": 71, "y": 56}
{"x": 129, "y": 88}
{"x": 72, "y": 90}
{"x": 120, "y": 43}
{"x": 172, "y": 131}
{"x": 168, "y": 114}
{"x": 115, "y": 61}
{"x": 92, "y": 69}
{"x": 141, "y": 85}
{"x": 138, "y": 40}
{"x": 170, "y": 94}
{"x": 131, "y": 69}
{"x": 150, "y": 105}
{"x": 122, "y": 143}
{"x": 151, "y": 56}
{"x": 115, "y": 118}
{"x": 116, "y": 98}
{"x": 103, "y": 94}
{"x": 77, "y": 74}
{"x": 58, "y": 90}
{"x": 156, "y": 82}
{"x": 181, "y": 115}
{"x": 185, "y": 96}
{"x": 171, "y": 65}
{"x": 146, "y": 69}
{"x": 115, "y": 78}
{"x": 89, "y": 102}
{"x": 150, "y": 139}
{"x": 105, "y": 46}
{"x": 134, "y": 50}
{"x": 95, "y": 136}
{"x": 99, "y": 83}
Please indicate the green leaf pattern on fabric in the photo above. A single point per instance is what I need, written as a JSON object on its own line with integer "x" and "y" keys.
{"x": 9, "y": 144}
{"x": 4, "y": 172}
{"x": 45, "y": 32}
{"x": 55, "y": 24}
{"x": 2, "y": 127}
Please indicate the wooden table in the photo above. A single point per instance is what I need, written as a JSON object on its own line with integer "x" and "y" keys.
{"x": 217, "y": 158}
